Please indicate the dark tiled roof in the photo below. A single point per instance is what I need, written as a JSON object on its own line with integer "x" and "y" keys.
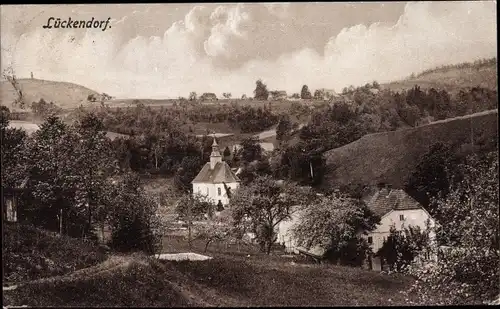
{"x": 221, "y": 173}
{"x": 386, "y": 200}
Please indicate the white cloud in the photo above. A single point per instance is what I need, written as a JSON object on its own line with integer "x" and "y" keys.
{"x": 187, "y": 56}
{"x": 226, "y": 24}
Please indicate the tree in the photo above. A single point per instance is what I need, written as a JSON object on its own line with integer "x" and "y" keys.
{"x": 243, "y": 96}
{"x": 192, "y": 96}
{"x": 336, "y": 223}
{"x": 194, "y": 207}
{"x": 284, "y": 128}
{"x": 66, "y": 168}
{"x": 227, "y": 95}
{"x": 95, "y": 160}
{"x": 262, "y": 205}
{"x": 261, "y": 92}
{"x": 375, "y": 85}
{"x": 466, "y": 271}
{"x": 91, "y": 98}
{"x": 430, "y": 179}
{"x": 4, "y": 117}
{"x": 305, "y": 94}
{"x": 295, "y": 96}
{"x": 187, "y": 171}
{"x": 48, "y": 161}
{"x": 401, "y": 248}
{"x": 304, "y": 162}
{"x": 9, "y": 75}
{"x": 226, "y": 153}
{"x": 250, "y": 150}
{"x": 12, "y": 151}
{"x": 319, "y": 94}
{"x": 43, "y": 109}
{"x": 132, "y": 217}
{"x": 220, "y": 228}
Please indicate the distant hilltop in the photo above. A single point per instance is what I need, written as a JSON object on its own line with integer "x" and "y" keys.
{"x": 482, "y": 73}
{"x": 63, "y": 94}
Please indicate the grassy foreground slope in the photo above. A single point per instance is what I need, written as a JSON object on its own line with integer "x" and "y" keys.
{"x": 229, "y": 279}
{"x": 29, "y": 253}
{"x": 63, "y": 94}
{"x": 391, "y": 156}
{"x": 142, "y": 281}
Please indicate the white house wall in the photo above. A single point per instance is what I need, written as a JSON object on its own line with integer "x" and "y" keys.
{"x": 210, "y": 191}
{"x": 286, "y": 238}
{"x": 285, "y": 235}
{"x": 414, "y": 217}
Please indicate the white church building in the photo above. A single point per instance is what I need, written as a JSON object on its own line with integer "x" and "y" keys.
{"x": 216, "y": 180}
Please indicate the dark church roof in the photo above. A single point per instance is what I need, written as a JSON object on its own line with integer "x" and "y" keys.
{"x": 387, "y": 199}
{"x": 221, "y": 173}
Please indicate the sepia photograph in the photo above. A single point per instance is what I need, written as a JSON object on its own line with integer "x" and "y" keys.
{"x": 250, "y": 154}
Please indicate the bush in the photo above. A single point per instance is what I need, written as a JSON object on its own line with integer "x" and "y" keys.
{"x": 30, "y": 253}
{"x": 133, "y": 235}
{"x": 466, "y": 271}
{"x": 132, "y": 214}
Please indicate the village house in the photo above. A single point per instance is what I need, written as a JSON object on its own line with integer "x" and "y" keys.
{"x": 216, "y": 180}
{"x": 326, "y": 94}
{"x": 278, "y": 95}
{"x": 208, "y": 96}
{"x": 395, "y": 208}
{"x": 286, "y": 238}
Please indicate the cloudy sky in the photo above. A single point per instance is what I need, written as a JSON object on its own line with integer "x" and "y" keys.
{"x": 168, "y": 50}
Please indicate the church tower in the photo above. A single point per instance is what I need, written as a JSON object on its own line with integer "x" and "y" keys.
{"x": 215, "y": 156}
{"x": 216, "y": 180}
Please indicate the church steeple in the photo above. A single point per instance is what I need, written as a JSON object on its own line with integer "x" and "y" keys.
{"x": 215, "y": 156}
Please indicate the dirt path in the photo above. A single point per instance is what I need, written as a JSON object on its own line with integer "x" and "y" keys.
{"x": 270, "y": 133}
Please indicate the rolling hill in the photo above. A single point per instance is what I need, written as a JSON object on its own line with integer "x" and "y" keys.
{"x": 452, "y": 78}
{"x": 391, "y": 156}
{"x": 64, "y": 95}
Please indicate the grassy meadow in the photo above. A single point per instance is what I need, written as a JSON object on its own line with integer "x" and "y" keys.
{"x": 238, "y": 277}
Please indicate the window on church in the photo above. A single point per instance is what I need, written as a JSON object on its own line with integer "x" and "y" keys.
{"x": 370, "y": 240}
{"x": 207, "y": 192}
{"x": 219, "y": 191}
{"x": 401, "y": 217}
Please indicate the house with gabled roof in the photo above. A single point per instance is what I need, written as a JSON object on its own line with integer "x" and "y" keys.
{"x": 216, "y": 180}
{"x": 208, "y": 96}
{"x": 396, "y": 209}
{"x": 278, "y": 95}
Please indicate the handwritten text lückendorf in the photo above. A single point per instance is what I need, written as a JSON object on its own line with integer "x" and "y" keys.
{"x": 73, "y": 24}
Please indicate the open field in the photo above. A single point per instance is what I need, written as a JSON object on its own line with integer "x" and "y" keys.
{"x": 391, "y": 156}
{"x": 229, "y": 279}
